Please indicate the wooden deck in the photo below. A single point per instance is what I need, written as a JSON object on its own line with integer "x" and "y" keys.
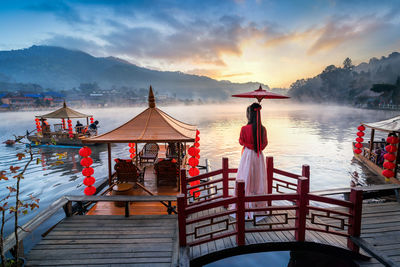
{"x": 109, "y": 241}
{"x": 139, "y": 208}
{"x": 152, "y": 240}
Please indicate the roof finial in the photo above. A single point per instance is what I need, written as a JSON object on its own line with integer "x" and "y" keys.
{"x": 65, "y": 105}
{"x": 152, "y": 101}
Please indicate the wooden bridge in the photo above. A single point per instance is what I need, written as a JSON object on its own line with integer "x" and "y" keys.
{"x": 213, "y": 225}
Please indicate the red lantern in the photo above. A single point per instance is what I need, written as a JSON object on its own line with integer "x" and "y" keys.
{"x": 358, "y": 145}
{"x": 88, "y": 171}
{"x": 196, "y": 144}
{"x": 132, "y": 150}
{"x": 197, "y": 132}
{"x": 360, "y": 134}
{"x": 357, "y": 151}
{"x": 69, "y": 121}
{"x": 90, "y": 190}
{"x": 392, "y": 140}
{"x": 389, "y": 157}
{"x": 85, "y": 152}
{"x": 192, "y": 151}
{"x": 195, "y": 191}
{"x": 131, "y": 144}
{"x": 388, "y": 165}
{"x": 197, "y": 139}
{"x": 361, "y": 128}
{"x": 193, "y": 162}
{"x": 88, "y": 181}
{"x": 387, "y": 173}
{"x": 391, "y": 148}
{"x": 86, "y": 162}
{"x": 91, "y": 119}
{"x": 194, "y": 171}
{"x": 359, "y": 139}
{"x": 197, "y": 156}
{"x": 132, "y": 156}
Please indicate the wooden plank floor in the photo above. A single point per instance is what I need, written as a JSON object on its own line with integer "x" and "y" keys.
{"x": 141, "y": 208}
{"x": 381, "y": 229}
{"x": 108, "y": 241}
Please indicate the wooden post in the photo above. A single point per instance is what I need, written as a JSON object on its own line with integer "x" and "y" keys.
{"x": 302, "y": 190}
{"x": 68, "y": 209}
{"x": 305, "y": 172}
{"x": 179, "y": 162}
{"x": 126, "y": 208}
{"x": 240, "y": 211}
{"x": 109, "y": 164}
{"x": 225, "y": 179}
{"x": 182, "y": 219}
{"x": 371, "y": 143}
{"x": 270, "y": 176}
{"x": 137, "y": 153}
{"x": 356, "y": 195}
{"x": 184, "y": 185}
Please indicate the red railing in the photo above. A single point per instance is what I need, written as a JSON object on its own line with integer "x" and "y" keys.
{"x": 216, "y": 215}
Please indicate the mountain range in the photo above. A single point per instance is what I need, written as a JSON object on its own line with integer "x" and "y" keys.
{"x": 59, "y": 69}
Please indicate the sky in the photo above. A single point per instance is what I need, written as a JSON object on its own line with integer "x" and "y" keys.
{"x": 274, "y": 42}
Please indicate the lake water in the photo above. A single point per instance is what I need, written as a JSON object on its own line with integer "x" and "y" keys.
{"x": 317, "y": 135}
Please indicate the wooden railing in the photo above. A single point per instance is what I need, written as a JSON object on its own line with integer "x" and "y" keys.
{"x": 300, "y": 211}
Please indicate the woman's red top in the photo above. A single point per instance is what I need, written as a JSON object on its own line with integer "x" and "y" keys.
{"x": 246, "y": 137}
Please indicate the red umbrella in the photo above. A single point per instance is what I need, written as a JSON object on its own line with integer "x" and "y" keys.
{"x": 260, "y": 94}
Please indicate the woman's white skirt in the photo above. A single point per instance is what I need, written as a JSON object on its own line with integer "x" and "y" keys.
{"x": 253, "y": 172}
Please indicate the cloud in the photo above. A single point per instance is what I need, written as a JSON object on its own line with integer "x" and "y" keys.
{"x": 59, "y": 8}
{"x": 236, "y": 74}
{"x": 340, "y": 30}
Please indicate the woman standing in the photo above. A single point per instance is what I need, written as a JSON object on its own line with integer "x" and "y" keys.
{"x": 253, "y": 138}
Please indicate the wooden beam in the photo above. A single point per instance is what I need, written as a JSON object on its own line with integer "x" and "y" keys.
{"x": 380, "y": 256}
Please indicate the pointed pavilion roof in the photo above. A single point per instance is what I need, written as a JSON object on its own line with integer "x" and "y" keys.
{"x": 152, "y": 125}
{"x": 64, "y": 113}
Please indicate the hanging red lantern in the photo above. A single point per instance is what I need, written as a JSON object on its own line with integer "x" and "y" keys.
{"x": 193, "y": 162}
{"x": 194, "y": 191}
{"x": 132, "y": 150}
{"x": 197, "y": 156}
{"x": 388, "y": 165}
{"x": 359, "y": 139}
{"x": 85, "y": 151}
{"x": 389, "y": 157}
{"x": 361, "y": 128}
{"x": 360, "y": 134}
{"x": 86, "y": 162}
{"x": 391, "y": 148}
{"x": 90, "y": 190}
{"x": 131, "y": 144}
{"x": 392, "y": 140}
{"x": 197, "y": 139}
{"x": 91, "y": 119}
{"x": 88, "y": 181}
{"x": 192, "y": 151}
{"x": 388, "y": 173}
{"x": 194, "y": 171}
{"x": 358, "y": 145}
{"x": 88, "y": 171}
{"x": 197, "y": 132}
{"x": 196, "y": 144}
{"x": 357, "y": 151}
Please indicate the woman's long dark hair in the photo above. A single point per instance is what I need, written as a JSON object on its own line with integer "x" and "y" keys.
{"x": 253, "y": 114}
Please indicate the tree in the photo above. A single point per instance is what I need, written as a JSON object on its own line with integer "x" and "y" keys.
{"x": 390, "y": 92}
{"x": 348, "y": 64}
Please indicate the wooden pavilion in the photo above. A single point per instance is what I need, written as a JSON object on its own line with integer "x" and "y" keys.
{"x": 151, "y": 126}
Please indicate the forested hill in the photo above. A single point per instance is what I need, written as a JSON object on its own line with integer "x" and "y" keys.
{"x": 62, "y": 69}
{"x": 352, "y": 84}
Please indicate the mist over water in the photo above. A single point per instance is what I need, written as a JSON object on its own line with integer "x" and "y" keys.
{"x": 317, "y": 135}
